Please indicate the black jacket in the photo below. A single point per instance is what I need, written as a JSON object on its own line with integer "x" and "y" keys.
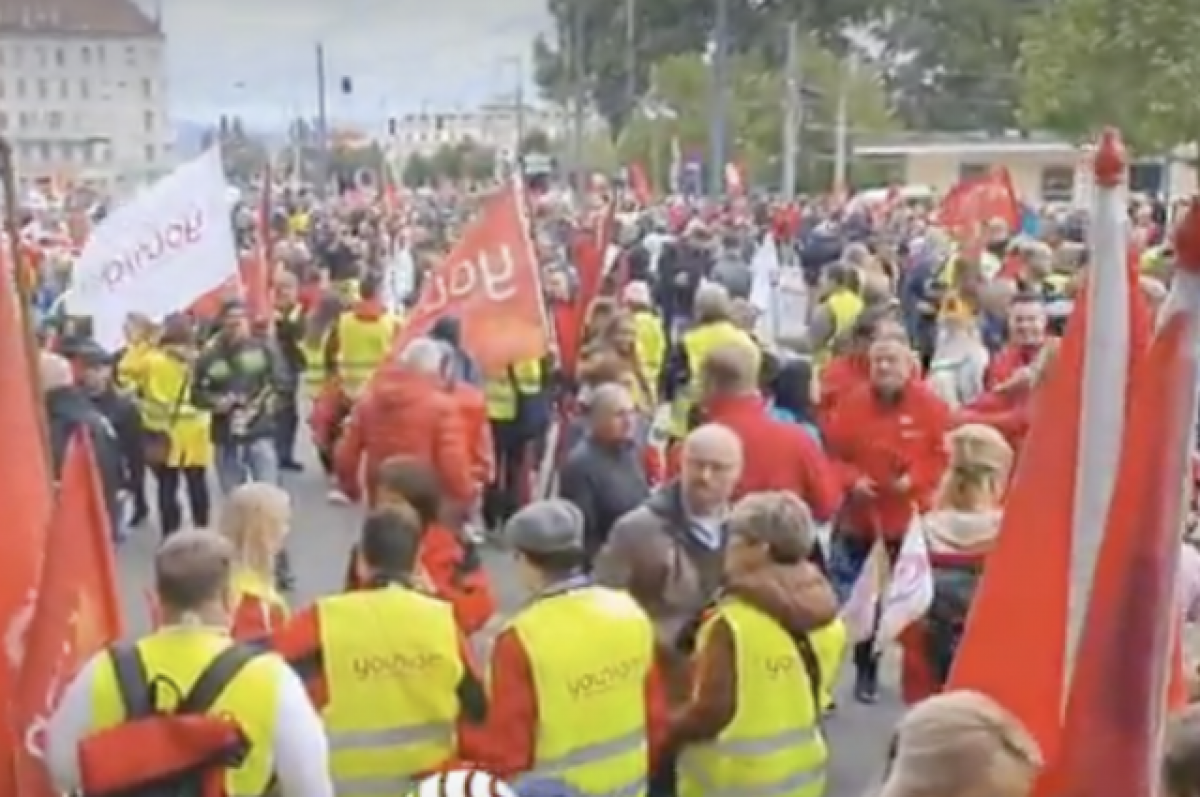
{"x": 69, "y": 411}
{"x": 122, "y": 414}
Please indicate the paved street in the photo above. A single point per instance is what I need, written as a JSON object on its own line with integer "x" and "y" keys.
{"x": 322, "y": 535}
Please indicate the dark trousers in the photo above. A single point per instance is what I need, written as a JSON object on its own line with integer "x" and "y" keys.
{"x": 504, "y": 496}
{"x": 170, "y": 510}
{"x": 287, "y": 425}
{"x": 848, "y": 556}
{"x": 135, "y": 470}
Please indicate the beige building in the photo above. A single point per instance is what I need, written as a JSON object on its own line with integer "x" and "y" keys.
{"x": 83, "y": 91}
{"x": 1043, "y": 168}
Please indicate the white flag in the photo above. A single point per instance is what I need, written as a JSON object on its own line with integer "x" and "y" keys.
{"x": 862, "y": 607}
{"x": 910, "y": 591}
{"x": 156, "y": 255}
{"x": 399, "y": 280}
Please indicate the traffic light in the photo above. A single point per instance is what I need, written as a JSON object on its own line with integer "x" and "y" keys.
{"x": 347, "y": 85}
{"x": 392, "y": 126}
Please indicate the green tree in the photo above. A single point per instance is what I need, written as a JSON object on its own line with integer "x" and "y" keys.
{"x": 448, "y": 162}
{"x": 673, "y": 27}
{"x": 1090, "y": 63}
{"x": 683, "y": 84}
{"x": 418, "y": 171}
{"x": 479, "y": 163}
{"x": 536, "y": 140}
{"x": 950, "y": 64}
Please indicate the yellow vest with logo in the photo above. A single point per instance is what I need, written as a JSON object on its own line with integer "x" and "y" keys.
{"x": 773, "y": 745}
{"x": 315, "y": 373}
{"x": 844, "y": 306}
{"x": 179, "y": 656}
{"x": 362, "y": 346}
{"x": 393, "y": 667}
{"x": 590, "y": 651}
{"x": 698, "y": 343}
{"x": 503, "y": 392}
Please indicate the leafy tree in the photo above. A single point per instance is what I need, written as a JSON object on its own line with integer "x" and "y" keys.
{"x": 756, "y": 108}
{"x": 950, "y": 64}
{"x": 536, "y": 140}
{"x": 1089, "y": 63}
{"x": 418, "y": 171}
{"x": 672, "y": 27}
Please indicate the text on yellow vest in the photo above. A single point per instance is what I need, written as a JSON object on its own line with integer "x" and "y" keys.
{"x": 590, "y": 651}
{"x": 698, "y": 343}
{"x": 503, "y": 392}
{"x": 176, "y": 657}
{"x": 393, "y": 668}
{"x": 773, "y": 745}
{"x": 363, "y": 344}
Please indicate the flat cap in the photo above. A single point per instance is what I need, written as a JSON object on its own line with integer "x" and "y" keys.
{"x": 550, "y": 526}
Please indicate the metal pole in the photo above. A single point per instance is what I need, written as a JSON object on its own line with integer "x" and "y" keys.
{"x": 841, "y": 166}
{"x": 519, "y": 98}
{"x": 322, "y": 123}
{"x": 792, "y": 103}
{"x": 631, "y": 83}
{"x": 578, "y": 96}
{"x": 22, "y": 284}
{"x": 717, "y": 144}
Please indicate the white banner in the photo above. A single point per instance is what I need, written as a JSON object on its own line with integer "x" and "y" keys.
{"x": 156, "y": 255}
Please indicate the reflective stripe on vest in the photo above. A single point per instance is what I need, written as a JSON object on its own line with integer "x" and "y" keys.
{"x": 362, "y": 346}
{"x": 774, "y": 746}
{"x": 178, "y": 656}
{"x": 392, "y": 663}
{"x": 602, "y": 677}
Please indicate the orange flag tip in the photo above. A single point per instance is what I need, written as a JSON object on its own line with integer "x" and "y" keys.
{"x": 1110, "y": 163}
{"x": 1187, "y": 240}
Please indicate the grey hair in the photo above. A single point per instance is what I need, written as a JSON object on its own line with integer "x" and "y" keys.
{"x": 608, "y": 394}
{"x": 424, "y": 355}
{"x": 777, "y": 519}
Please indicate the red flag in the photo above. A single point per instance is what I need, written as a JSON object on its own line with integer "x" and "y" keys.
{"x": 639, "y": 185}
{"x": 1116, "y": 710}
{"x": 972, "y": 204}
{"x": 490, "y": 281}
{"x": 25, "y": 494}
{"x": 78, "y": 609}
{"x": 1059, "y": 498}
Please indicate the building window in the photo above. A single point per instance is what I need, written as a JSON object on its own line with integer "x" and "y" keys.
{"x": 151, "y": 152}
{"x": 85, "y": 91}
{"x": 55, "y": 120}
{"x": 44, "y": 151}
{"x": 60, "y": 57}
{"x": 20, "y": 88}
{"x": 148, "y": 121}
{"x": 43, "y": 89}
{"x": 973, "y": 171}
{"x": 18, "y": 55}
{"x": 101, "y": 54}
{"x": 2, "y": 89}
{"x": 85, "y": 55}
{"x": 23, "y": 121}
{"x": 1058, "y": 183}
{"x": 64, "y": 89}
{"x": 3, "y": 121}
{"x": 39, "y": 52}
{"x": 130, "y": 55}
{"x": 147, "y": 88}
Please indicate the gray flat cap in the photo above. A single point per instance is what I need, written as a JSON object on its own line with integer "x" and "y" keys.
{"x": 551, "y": 526}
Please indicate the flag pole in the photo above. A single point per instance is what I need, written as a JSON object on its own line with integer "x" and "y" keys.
{"x": 22, "y": 283}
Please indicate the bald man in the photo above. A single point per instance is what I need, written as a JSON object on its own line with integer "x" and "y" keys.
{"x": 668, "y": 551}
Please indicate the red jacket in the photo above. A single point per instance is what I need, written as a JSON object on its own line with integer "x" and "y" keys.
{"x": 1007, "y": 362}
{"x": 505, "y": 745}
{"x": 885, "y": 442}
{"x": 406, "y": 414}
{"x": 839, "y": 376}
{"x": 478, "y": 429}
{"x": 781, "y": 455}
{"x": 1007, "y": 413}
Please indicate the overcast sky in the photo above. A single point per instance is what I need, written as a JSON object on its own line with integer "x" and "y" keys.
{"x": 256, "y": 57}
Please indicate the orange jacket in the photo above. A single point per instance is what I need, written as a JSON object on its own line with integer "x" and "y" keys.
{"x": 472, "y": 404}
{"x": 406, "y": 414}
{"x": 885, "y": 442}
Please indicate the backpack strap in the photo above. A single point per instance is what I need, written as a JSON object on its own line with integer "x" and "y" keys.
{"x": 217, "y": 676}
{"x": 812, "y": 668}
{"x": 132, "y": 682}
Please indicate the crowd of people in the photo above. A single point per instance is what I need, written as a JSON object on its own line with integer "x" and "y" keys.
{"x": 719, "y": 493}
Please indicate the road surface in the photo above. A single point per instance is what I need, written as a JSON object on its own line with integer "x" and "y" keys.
{"x": 321, "y": 538}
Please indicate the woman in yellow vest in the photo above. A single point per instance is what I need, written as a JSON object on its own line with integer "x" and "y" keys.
{"x": 714, "y": 329}
{"x": 139, "y": 343}
{"x": 318, "y": 325}
{"x": 364, "y": 337}
{"x": 766, "y": 658}
{"x": 650, "y": 336}
{"x": 179, "y": 442}
{"x": 286, "y": 747}
{"x": 841, "y": 303}
{"x": 576, "y": 652}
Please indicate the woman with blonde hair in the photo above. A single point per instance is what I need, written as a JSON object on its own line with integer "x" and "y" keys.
{"x": 255, "y": 519}
{"x": 961, "y": 744}
{"x": 959, "y": 532}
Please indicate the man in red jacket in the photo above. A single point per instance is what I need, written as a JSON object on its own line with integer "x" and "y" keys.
{"x": 887, "y": 439}
{"x": 1026, "y": 337}
{"x": 782, "y": 456}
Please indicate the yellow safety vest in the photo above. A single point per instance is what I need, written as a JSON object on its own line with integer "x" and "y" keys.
{"x": 362, "y": 347}
{"x": 590, "y": 651}
{"x": 845, "y": 306}
{"x": 698, "y": 343}
{"x": 315, "y": 373}
{"x": 178, "y": 656}
{"x": 503, "y": 392}
{"x": 773, "y": 745}
{"x": 393, "y": 668}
